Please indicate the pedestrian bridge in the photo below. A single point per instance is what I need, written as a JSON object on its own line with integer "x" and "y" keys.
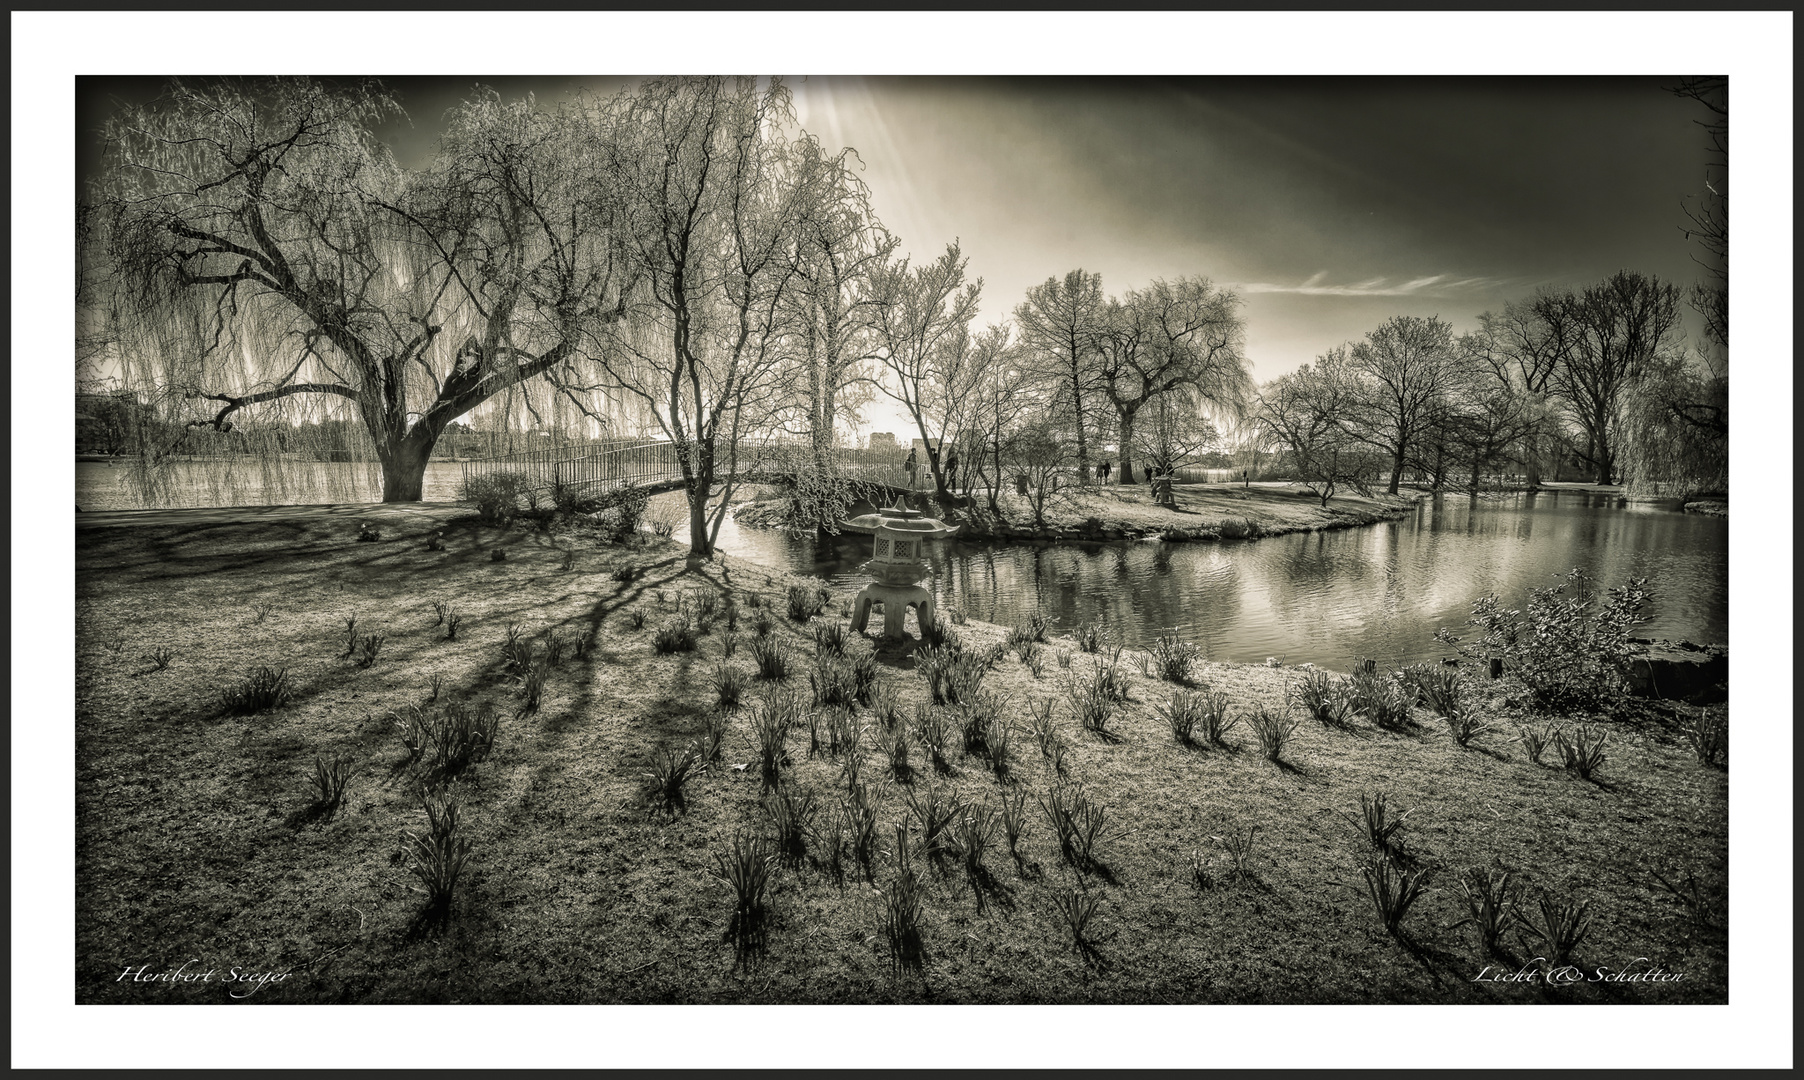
{"x": 654, "y": 467}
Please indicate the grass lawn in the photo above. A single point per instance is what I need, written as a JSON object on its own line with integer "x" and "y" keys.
{"x": 196, "y": 837}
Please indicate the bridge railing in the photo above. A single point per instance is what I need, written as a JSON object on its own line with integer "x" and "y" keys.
{"x": 601, "y": 464}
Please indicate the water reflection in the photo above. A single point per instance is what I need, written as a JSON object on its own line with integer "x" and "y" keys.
{"x": 1324, "y": 597}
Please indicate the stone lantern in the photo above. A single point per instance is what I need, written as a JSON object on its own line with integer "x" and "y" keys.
{"x": 897, "y": 563}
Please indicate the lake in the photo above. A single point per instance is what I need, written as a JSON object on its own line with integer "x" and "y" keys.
{"x": 1378, "y": 591}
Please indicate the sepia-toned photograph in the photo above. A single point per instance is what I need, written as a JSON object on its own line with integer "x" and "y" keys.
{"x": 900, "y": 540}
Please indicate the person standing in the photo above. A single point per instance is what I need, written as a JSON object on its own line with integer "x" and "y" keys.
{"x": 911, "y": 465}
{"x": 1103, "y": 471}
{"x": 952, "y": 471}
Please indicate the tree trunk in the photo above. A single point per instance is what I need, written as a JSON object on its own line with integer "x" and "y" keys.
{"x": 1396, "y": 468}
{"x": 1476, "y": 462}
{"x": 1125, "y": 475}
{"x": 404, "y": 470}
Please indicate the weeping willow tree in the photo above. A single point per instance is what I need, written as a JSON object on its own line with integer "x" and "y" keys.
{"x": 1675, "y": 429}
{"x": 269, "y": 268}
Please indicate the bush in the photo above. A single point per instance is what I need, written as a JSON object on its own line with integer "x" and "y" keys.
{"x": 1273, "y": 730}
{"x": 677, "y": 635}
{"x": 263, "y": 689}
{"x": 1329, "y": 700}
{"x": 1172, "y": 658}
{"x": 619, "y": 509}
{"x": 1568, "y": 649}
{"x": 496, "y": 495}
{"x": 806, "y": 599}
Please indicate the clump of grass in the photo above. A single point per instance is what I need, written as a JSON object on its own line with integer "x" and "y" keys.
{"x": 1035, "y": 661}
{"x": 938, "y": 813}
{"x": 516, "y": 650}
{"x": 670, "y": 772}
{"x": 933, "y": 730}
{"x": 1329, "y": 700}
{"x": 1438, "y": 686}
{"x": 1063, "y": 656}
{"x": 554, "y": 648}
{"x": 791, "y": 815}
{"x": 832, "y": 683}
{"x": 636, "y": 619}
{"x": 1582, "y": 749}
{"x": 1040, "y": 725}
{"x": 746, "y": 868}
{"x": 532, "y": 687}
{"x": 1014, "y": 827}
{"x": 1560, "y": 927}
{"x": 885, "y": 705}
{"x": 410, "y": 725}
{"x": 455, "y": 737}
{"x": 1704, "y": 908}
{"x": 972, "y": 835}
{"x": 623, "y": 574}
{"x": 1273, "y": 729}
{"x": 999, "y": 746}
{"x": 440, "y": 608}
{"x": 729, "y": 686}
{"x": 1708, "y": 735}
{"x": 1078, "y": 908}
{"x": 729, "y": 644}
{"x": 863, "y": 665}
{"x": 662, "y": 596}
{"x": 958, "y": 614}
{"x": 1464, "y": 725}
{"x": 329, "y": 780}
{"x": 1394, "y": 890}
{"x": 1535, "y": 740}
{"x": 900, "y": 918}
{"x": 772, "y": 720}
{"x": 262, "y": 689}
{"x": 1239, "y": 851}
{"x": 859, "y": 812}
{"x": 895, "y": 748}
{"x": 806, "y": 599}
{"x": 1090, "y": 636}
{"x": 261, "y": 612}
{"x": 435, "y": 683}
{"x": 732, "y": 612}
{"x": 1375, "y": 825}
{"x": 1182, "y": 714}
{"x": 713, "y": 738}
{"x": 829, "y": 639}
{"x": 1081, "y": 825}
{"x": 1091, "y": 701}
{"x": 677, "y": 635}
{"x": 438, "y": 855}
{"x": 1381, "y": 700}
{"x": 453, "y": 622}
{"x": 953, "y": 675}
{"x": 1490, "y": 906}
{"x": 160, "y": 658}
{"x": 369, "y": 646}
{"x": 1173, "y": 658}
{"x": 772, "y": 660}
{"x": 763, "y": 625}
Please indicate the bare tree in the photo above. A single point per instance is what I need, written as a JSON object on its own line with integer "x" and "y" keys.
{"x": 1186, "y": 333}
{"x": 1405, "y": 367}
{"x": 1709, "y": 215}
{"x": 922, "y": 321}
{"x": 263, "y": 247}
{"x": 1060, "y": 322}
{"x": 709, "y": 200}
{"x": 1621, "y": 324}
{"x": 1174, "y": 432}
{"x": 1307, "y": 412}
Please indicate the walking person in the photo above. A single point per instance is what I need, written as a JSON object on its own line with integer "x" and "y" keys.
{"x": 1103, "y": 471}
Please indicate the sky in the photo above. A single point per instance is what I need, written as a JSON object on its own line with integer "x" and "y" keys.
{"x": 1248, "y": 187}
{"x": 1327, "y": 204}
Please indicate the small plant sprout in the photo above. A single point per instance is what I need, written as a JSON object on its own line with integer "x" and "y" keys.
{"x": 1377, "y": 827}
{"x": 1240, "y": 851}
{"x": 435, "y": 683}
{"x": 264, "y": 688}
{"x": 791, "y": 815}
{"x": 1394, "y": 890}
{"x": 350, "y": 636}
{"x": 670, "y": 771}
{"x": 1078, "y": 908}
{"x": 261, "y": 612}
{"x": 532, "y": 687}
{"x": 160, "y": 658}
{"x": 453, "y": 622}
{"x": 369, "y": 646}
{"x": 1273, "y": 729}
{"x": 636, "y": 618}
{"x": 1582, "y": 749}
{"x": 440, "y": 608}
{"x": 1708, "y": 735}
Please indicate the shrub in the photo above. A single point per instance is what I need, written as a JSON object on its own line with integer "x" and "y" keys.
{"x": 772, "y": 720}
{"x": 438, "y": 855}
{"x": 454, "y": 738}
{"x": 264, "y": 688}
{"x": 677, "y": 635}
{"x": 1381, "y": 700}
{"x": 895, "y": 747}
{"x": 160, "y": 658}
{"x": 329, "y": 780}
{"x": 1582, "y": 750}
{"x": 496, "y": 495}
{"x": 1092, "y": 702}
{"x": 636, "y": 619}
{"x": 772, "y": 660}
{"x": 1273, "y": 730}
{"x": 806, "y": 599}
{"x": 1173, "y": 658}
{"x": 670, "y": 771}
{"x": 1536, "y": 740}
{"x": 453, "y": 621}
{"x": 745, "y": 868}
{"x": 1567, "y": 648}
{"x": 953, "y": 675}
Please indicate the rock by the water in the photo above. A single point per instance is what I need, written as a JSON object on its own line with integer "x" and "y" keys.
{"x": 1680, "y": 670}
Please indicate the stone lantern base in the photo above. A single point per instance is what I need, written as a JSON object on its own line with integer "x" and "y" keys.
{"x": 895, "y": 600}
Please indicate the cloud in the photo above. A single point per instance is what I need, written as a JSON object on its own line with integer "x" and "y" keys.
{"x": 1436, "y": 285}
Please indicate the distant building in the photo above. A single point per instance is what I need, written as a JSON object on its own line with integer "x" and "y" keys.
{"x": 883, "y": 440}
